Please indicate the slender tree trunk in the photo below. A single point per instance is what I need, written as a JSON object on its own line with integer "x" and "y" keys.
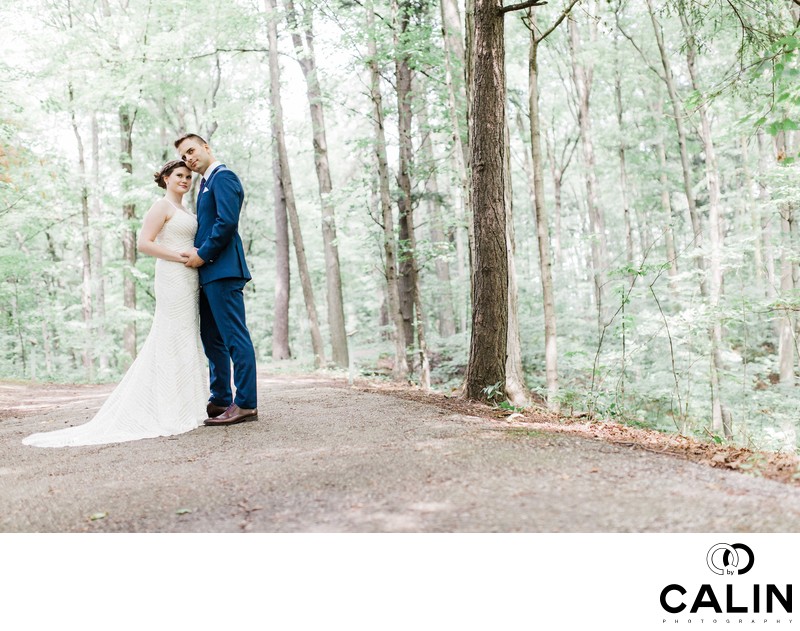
{"x": 752, "y": 215}
{"x": 280, "y": 325}
{"x": 487, "y": 355}
{"x": 766, "y": 226}
{"x": 86, "y": 257}
{"x": 719, "y": 414}
{"x": 447, "y": 324}
{"x": 623, "y": 172}
{"x": 97, "y": 259}
{"x": 582, "y": 72}
{"x": 456, "y": 72}
{"x": 126, "y": 120}
{"x": 288, "y": 191}
{"x": 688, "y": 186}
{"x": 515, "y": 387}
{"x": 411, "y": 296}
{"x": 400, "y": 369}
{"x": 542, "y": 223}
{"x": 333, "y": 275}
{"x": 666, "y": 205}
{"x": 786, "y": 346}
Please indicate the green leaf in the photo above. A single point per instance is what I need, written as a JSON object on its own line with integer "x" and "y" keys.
{"x": 183, "y": 511}
{"x": 96, "y": 516}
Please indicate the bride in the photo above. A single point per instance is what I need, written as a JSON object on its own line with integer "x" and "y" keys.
{"x": 164, "y": 391}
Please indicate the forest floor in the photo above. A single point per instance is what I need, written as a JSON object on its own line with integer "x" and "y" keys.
{"x": 326, "y": 456}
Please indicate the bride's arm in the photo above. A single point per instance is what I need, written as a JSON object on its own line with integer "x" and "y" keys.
{"x": 153, "y": 222}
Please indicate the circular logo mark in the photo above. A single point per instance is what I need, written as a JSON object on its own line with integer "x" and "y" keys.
{"x": 724, "y": 556}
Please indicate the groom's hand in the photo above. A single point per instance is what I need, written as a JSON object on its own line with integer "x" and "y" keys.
{"x": 194, "y": 260}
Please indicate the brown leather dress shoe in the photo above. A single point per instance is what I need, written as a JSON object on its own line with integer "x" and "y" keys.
{"x": 213, "y": 410}
{"x": 234, "y": 414}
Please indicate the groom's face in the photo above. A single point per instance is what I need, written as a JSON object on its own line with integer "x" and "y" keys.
{"x": 196, "y": 154}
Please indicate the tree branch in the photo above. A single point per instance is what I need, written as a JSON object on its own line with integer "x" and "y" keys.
{"x": 523, "y": 5}
{"x": 560, "y": 19}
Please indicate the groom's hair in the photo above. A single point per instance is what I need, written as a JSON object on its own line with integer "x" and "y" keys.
{"x": 199, "y": 139}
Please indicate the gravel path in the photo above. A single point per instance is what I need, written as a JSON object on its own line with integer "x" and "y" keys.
{"x": 325, "y": 457}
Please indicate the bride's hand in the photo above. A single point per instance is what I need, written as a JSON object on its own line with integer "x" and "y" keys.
{"x": 182, "y": 257}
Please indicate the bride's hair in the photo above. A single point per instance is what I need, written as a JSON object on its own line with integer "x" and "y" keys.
{"x": 168, "y": 168}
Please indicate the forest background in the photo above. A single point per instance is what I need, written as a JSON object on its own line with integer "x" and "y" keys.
{"x": 647, "y": 160}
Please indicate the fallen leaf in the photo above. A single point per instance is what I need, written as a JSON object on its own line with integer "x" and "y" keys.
{"x": 96, "y": 516}
{"x": 183, "y": 511}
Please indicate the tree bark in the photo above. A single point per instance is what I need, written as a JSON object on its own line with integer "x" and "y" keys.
{"x": 333, "y": 276}
{"x": 288, "y": 190}
{"x": 487, "y": 355}
{"x": 400, "y": 367}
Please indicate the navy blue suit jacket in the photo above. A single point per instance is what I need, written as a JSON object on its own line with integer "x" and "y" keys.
{"x": 217, "y": 240}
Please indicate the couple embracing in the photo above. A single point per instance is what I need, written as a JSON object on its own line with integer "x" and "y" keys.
{"x": 199, "y": 280}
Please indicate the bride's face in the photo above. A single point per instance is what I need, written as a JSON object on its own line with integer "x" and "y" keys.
{"x": 179, "y": 180}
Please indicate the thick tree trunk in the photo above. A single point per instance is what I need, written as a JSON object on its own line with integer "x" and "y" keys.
{"x": 400, "y": 369}
{"x": 288, "y": 191}
{"x": 542, "y": 223}
{"x": 333, "y": 276}
{"x": 487, "y": 354}
{"x": 128, "y": 234}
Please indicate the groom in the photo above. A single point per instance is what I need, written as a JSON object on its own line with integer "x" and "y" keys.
{"x": 219, "y": 257}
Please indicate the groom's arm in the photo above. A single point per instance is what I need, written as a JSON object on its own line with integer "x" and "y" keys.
{"x": 227, "y": 193}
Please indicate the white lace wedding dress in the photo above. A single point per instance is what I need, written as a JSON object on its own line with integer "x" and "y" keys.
{"x": 164, "y": 391}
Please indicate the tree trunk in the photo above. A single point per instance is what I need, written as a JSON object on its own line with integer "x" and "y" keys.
{"x": 487, "y": 353}
{"x": 456, "y": 73}
{"x": 280, "y": 325}
{"x": 623, "y": 172}
{"x": 752, "y": 216}
{"x": 666, "y": 205}
{"x": 286, "y": 182}
{"x": 688, "y": 187}
{"x": 766, "y": 226}
{"x": 516, "y": 390}
{"x": 715, "y": 238}
{"x": 400, "y": 368}
{"x": 411, "y": 298}
{"x": 582, "y": 73}
{"x": 542, "y": 223}
{"x": 97, "y": 259}
{"x": 86, "y": 257}
{"x": 333, "y": 274}
{"x": 126, "y": 120}
{"x": 441, "y": 247}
